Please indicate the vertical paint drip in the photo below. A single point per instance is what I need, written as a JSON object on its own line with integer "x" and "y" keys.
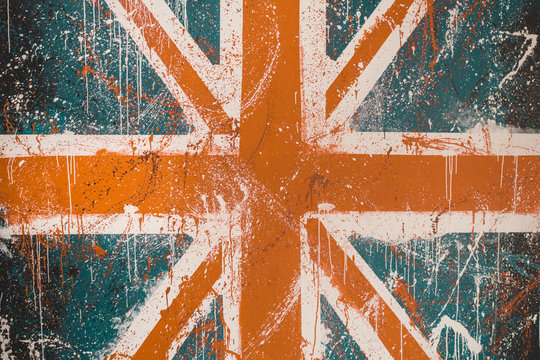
{"x": 48, "y": 245}
{"x": 185, "y": 18}
{"x": 69, "y": 185}
{"x": 401, "y": 339}
{"x": 446, "y": 176}
{"x": 8, "y": 21}
{"x": 10, "y": 169}
{"x": 515, "y": 181}
{"x": 450, "y": 173}
{"x": 127, "y": 83}
{"x": 32, "y": 258}
{"x": 414, "y": 271}
{"x": 196, "y": 345}
{"x": 477, "y": 304}
{"x": 498, "y": 256}
{"x": 458, "y": 246}
{"x": 408, "y": 272}
{"x": 502, "y": 168}
{"x": 446, "y": 356}
{"x": 94, "y": 27}
{"x": 330, "y": 253}
{"x": 138, "y": 89}
{"x": 42, "y": 355}
{"x": 111, "y": 31}
{"x": 135, "y": 268}
{"x": 74, "y": 170}
{"x": 128, "y": 257}
{"x": 120, "y": 77}
{"x": 344, "y": 267}
{"x": 173, "y": 248}
{"x": 85, "y": 54}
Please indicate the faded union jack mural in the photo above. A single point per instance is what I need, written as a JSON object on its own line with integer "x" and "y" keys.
{"x": 272, "y": 179}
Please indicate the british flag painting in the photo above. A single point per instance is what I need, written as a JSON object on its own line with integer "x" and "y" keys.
{"x": 269, "y": 179}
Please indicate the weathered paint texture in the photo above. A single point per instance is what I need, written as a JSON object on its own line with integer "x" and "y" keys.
{"x": 273, "y": 179}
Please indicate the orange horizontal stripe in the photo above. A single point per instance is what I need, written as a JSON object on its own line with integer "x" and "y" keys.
{"x": 419, "y": 183}
{"x": 104, "y": 184}
{"x": 175, "y": 184}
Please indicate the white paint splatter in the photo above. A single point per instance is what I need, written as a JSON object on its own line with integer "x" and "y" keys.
{"x": 5, "y": 350}
{"x": 5, "y": 233}
{"x": 8, "y": 21}
{"x": 459, "y": 329}
{"x": 4, "y": 250}
{"x": 533, "y": 41}
{"x": 452, "y": 24}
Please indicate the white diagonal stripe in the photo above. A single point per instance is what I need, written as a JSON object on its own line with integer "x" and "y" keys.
{"x": 157, "y": 64}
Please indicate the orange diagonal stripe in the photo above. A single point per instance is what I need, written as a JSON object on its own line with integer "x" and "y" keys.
{"x": 192, "y": 293}
{"x": 357, "y": 291}
{"x": 364, "y": 52}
